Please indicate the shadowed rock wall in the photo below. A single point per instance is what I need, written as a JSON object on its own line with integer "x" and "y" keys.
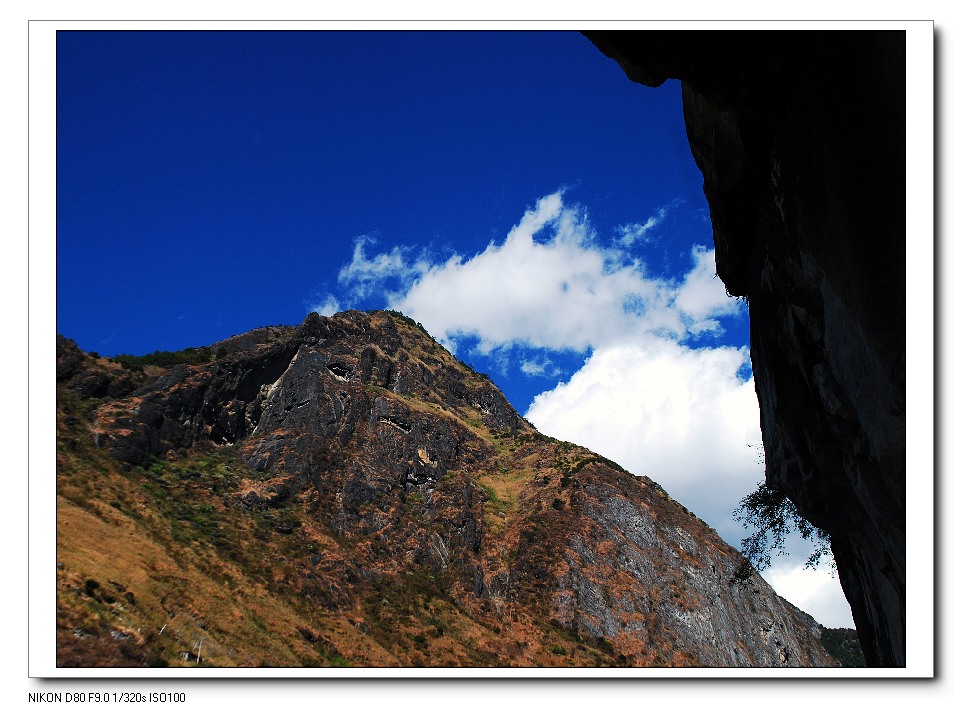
{"x": 800, "y": 137}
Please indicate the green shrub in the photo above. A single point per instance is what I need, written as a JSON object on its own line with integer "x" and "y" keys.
{"x": 164, "y": 359}
{"x": 843, "y": 645}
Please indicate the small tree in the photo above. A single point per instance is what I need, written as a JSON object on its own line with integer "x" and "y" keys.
{"x": 774, "y": 517}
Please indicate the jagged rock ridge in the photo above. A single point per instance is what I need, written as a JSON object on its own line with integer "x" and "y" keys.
{"x": 800, "y": 136}
{"x": 395, "y": 504}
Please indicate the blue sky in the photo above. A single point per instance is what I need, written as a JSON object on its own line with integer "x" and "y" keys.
{"x": 513, "y": 191}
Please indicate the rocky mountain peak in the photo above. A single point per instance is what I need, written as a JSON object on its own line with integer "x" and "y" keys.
{"x": 354, "y": 476}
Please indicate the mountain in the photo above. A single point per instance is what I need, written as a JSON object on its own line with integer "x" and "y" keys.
{"x": 347, "y": 493}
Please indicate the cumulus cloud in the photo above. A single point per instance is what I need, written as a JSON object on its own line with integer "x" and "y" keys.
{"x": 817, "y": 592}
{"x": 551, "y": 284}
{"x": 691, "y": 423}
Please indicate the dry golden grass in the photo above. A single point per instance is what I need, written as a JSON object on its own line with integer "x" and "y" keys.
{"x": 185, "y": 602}
{"x": 196, "y": 560}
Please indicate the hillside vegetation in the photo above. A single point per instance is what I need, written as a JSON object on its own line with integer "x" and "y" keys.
{"x": 346, "y": 494}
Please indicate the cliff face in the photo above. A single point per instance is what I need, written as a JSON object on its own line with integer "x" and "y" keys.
{"x": 800, "y": 137}
{"x": 347, "y": 492}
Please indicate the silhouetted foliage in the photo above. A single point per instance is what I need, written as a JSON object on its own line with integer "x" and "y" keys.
{"x": 774, "y": 517}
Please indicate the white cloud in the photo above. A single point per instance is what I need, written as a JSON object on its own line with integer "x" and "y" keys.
{"x": 628, "y": 234}
{"x": 679, "y": 415}
{"x": 816, "y": 591}
{"x": 327, "y": 307}
{"x": 566, "y": 292}
{"x": 702, "y": 296}
{"x": 534, "y": 367}
{"x": 382, "y": 273}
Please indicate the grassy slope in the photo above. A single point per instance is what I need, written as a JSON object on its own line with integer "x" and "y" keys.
{"x": 167, "y": 566}
{"x": 164, "y": 566}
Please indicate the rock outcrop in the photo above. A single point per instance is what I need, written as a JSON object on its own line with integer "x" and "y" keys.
{"x": 377, "y": 478}
{"x": 86, "y": 376}
{"x": 800, "y": 137}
